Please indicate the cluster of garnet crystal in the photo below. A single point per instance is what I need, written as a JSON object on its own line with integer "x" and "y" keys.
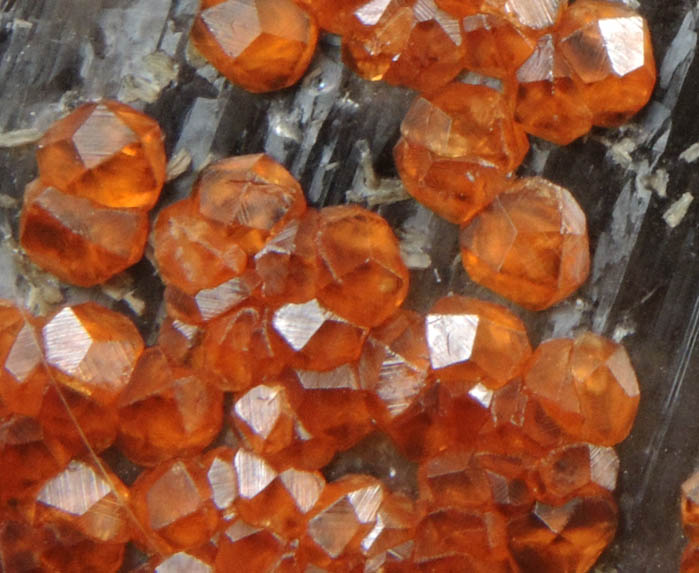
{"x": 690, "y": 521}
{"x": 285, "y": 343}
{"x": 561, "y": 70}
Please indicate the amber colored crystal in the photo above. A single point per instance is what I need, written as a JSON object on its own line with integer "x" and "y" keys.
{"x": 178, "y": 339}
{"x": 243, "y": 348}
{"x": 23, "y": 377}
{"x": 363, "y": 278}
{"x": 530, "y": 245}
{"x": 107, "y": 152}
{"x": 576, "y": 469}
{"x": 608, "y": 47}
{"x": 288, "y": 264}
{"x": 587, "y": 385}
{"x": 472, "y": 340}
{"x": 414, "y": 43}
{"x": 331, "y": 15}
{"x": 259, "y": 549}
{"x": 493, "y": 45}
{"x": 193, "y": 252}
{"x": 28, "y": 456}
{"x": 87, "y": 498}
{"x": 690, "y": 507}
{"x": 222, "y": 480}
{"x": 173, "y": 504}
{"x": 76, "y": 239}
{"x": 261, "y": 45}
{"x": 394, "y": 364}
{"x": 568, "y": 537}
{"x": 550, "y": 104}
{"x": 345, "y": 514}
{"x": 54, "y": 549}
{"x": 457, "y": 147}
{"x": 252, "y": 195}
{"x": 279, "y": 501}
{"x": 197, "y": 560}
{"x": 537, "y": 15}
{"x": 167, "y": 410}
{"x": 316, "y": 338}
{"x": 92, "y": 350}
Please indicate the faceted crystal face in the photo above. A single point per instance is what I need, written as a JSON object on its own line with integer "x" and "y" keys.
{"x": 535, "y": 14}
{"x": 252, "y": 195}
{"x": 92, "y": 350}
{"x": 261, "y": 45}
{"x": 193, "y": 252}
{"x": 608, "y": 47}
{"x": 167, "y": 410}
{"x": 467, "y": 122}
{"x": 23, "y": 377}
{"x": 530, "y": 245}
{"x": 89, "y": 500}
{"x": 587, "y": 386}
{"x": 259, "y": 549}
{"x": 472, "y": 341}
{"x": 549, "y": 103}
{"x": 190, "y": 562}
{"x": 319, "y": 338}
{"x": 493, "y": 45}
{"x": 556, "y": 537}
{"x": 106, "y": 152}
{"x": 173, "y": 504}
{"x": 78, "y": 240}
{"x": 394, "y": 363}
{"x": 242, "y": 348}
{"x": 414, "y": 44}
{"x": 363, "y": 278}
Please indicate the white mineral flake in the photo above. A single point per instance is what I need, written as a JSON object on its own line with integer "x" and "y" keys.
{"x": 676, "y": 212}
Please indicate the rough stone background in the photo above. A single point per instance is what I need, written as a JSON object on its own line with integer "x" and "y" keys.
{"x": 335, "y": 132}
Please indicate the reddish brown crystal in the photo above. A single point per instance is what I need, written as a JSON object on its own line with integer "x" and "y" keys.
{"x": 530, "y": 245}
{"x": 167, "y": 410}
{"x": 690, "y": 507}
{"x": 587, "y": 386}
{"x": 106, "y": 152}
{"x": 76, "y": 239}
{"x": 261, "y": 45}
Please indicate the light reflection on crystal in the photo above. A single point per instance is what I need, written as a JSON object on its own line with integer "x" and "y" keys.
{"x": 624, "y": 41}
{"x": 297, "y": 323}
{"x": 260, "y": 408}
{"x": 344, "y": 376}
{"x": 254, "y": 473}
{"x": 556, "y": 518}
{"x": 102, "y": 135}
{"x": 75, "y": 490}
{"x": 25, "y": 355}
{"x": 174, "y": 484}
{"x": 305, "y": 487}
{"x": 183, "y": 563}
{"x": 334, "y": 527}
{"x": 223, "y": 483}
{"x": 604, "y": 466}
{"x": 450, "y": 338}
{"x": 366, "y": 502}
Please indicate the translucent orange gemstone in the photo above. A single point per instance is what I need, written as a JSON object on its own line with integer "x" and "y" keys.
{"x": 87, "y": 498}
{"x": 567, "y": 537}
{"x": 288, "y": 264}
{"x": 76, "y": 239}
{"x": 197, "y": 560}
{"x": 608, "y": 47}
{"x": 363, "y": 278}
{"x": 178, "y": 339}
{"x": 316, "y": 338}
{"x": 192, "y": 252}
{"x": 106, "y": 152}
{"x": 587, "y": 386}
{"x": 475, "y": 341}
{"x": 394, "y": 365}
{"x": 345, "y": 514}
{"x": 23, "y": 377}
{"x": 258, "y": 549}
{"x": 493, "y": 45}
{"x": 549, "y": 103}
{"x": 331, "y": 15}
{"x": 415, "y": 43}
{"x": 690, "y": 507}
{"x": 530, "y": 245}
{"x": 29, "y": 455}
{"x": 253, "y": 196}
{"x": 690, "y": 559}
{"x": 534, "y": 14}
{"x": 575, "y": 470}
{"x": 167, "y": 410}
{"x": 173, "y": 504}
{"x": 457, "y": 147}
{"x": 239, "y": 347}
{"x": 261, "y": 45}
{"x": 92, "y": 350}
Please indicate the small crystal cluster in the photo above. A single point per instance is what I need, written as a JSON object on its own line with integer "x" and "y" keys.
{"x": 286, "y": 343}
{"x": 690, "y": 522}
{"x": 101, "y": 169}
{"x": 562, "y": 69}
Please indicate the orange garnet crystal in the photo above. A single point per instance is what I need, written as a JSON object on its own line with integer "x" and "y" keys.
{"x": 261, "y": 45}
{"x": 107, "y": 152}
{"x": 530, "y": 245}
